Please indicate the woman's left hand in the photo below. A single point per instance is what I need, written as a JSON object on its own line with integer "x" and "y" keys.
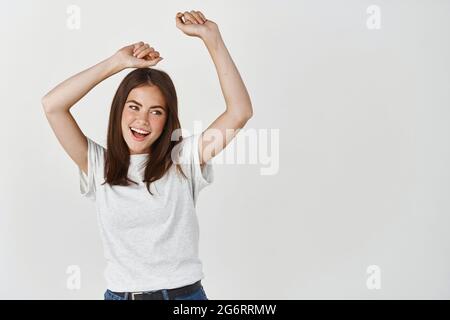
{"x": 195, "y": 24}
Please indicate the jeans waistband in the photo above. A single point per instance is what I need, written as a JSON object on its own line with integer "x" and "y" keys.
{"x": 159, "y": 294}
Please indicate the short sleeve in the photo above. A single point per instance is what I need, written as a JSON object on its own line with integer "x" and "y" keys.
{"x": 95, "y": 164}
{"x": 200, "y": 178}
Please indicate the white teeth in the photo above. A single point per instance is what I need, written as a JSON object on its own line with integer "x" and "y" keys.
{"x": 140, "y": 131}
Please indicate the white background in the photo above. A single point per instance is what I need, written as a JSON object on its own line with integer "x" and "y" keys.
{"x": 364, "y": 148}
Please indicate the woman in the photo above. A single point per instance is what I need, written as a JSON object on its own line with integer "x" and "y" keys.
{"x": 146, "y": 182}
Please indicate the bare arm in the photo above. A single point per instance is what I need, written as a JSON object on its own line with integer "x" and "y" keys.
{"x": 233, "y": 88}
{"x": 70, "y": 91}
{"x": 238, "y": 104}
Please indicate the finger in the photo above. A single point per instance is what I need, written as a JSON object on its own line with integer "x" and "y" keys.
{"x": 197, "y": 17}
{"x": 141, "y": 49}
{"x": 178, "y": 19}
{"x": 143, "y": 53}
{"x": 147, "y": 48}
{"x": 152, "y": 55}
{"x": 137, "y": 45}
{"x": 153, "y": 62}
{"x": 190, "y": 17}
{"x": 203, "y": 16}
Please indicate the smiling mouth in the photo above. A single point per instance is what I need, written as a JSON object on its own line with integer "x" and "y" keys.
{"x": 138, "y": 136}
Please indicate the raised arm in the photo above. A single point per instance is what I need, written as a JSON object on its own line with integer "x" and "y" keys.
{"x": 70, "y": 91}
{"x": 58, "y": 101}
{"x": 238, "y": 105}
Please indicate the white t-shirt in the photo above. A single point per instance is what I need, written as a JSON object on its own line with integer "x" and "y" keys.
{"x": 150, "y": 242}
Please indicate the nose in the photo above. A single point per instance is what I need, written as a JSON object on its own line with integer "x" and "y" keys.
{"x": 142, "y": 119}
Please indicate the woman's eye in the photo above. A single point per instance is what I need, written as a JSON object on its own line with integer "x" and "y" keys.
{"x": 154, "y": 112}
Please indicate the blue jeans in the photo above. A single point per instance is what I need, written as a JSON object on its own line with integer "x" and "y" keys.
{"x": 198, "y": 294}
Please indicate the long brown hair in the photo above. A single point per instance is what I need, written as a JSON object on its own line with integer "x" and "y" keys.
{"x": 117, "y": 157}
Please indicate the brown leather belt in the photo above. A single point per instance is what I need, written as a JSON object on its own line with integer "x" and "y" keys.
{"x": 158, "y": 295}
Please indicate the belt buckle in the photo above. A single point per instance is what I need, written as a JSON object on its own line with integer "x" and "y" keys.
{"x": 143, "y": 293}
{"x": 133, "y": 294}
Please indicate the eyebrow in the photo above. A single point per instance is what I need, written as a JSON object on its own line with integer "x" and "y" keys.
{"x": 139, "y": 104}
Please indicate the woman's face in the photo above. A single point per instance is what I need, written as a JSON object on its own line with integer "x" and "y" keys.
{"x": 144, "y": 109}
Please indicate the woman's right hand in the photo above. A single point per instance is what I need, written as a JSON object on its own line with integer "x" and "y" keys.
{"x": 138, "y": 55}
